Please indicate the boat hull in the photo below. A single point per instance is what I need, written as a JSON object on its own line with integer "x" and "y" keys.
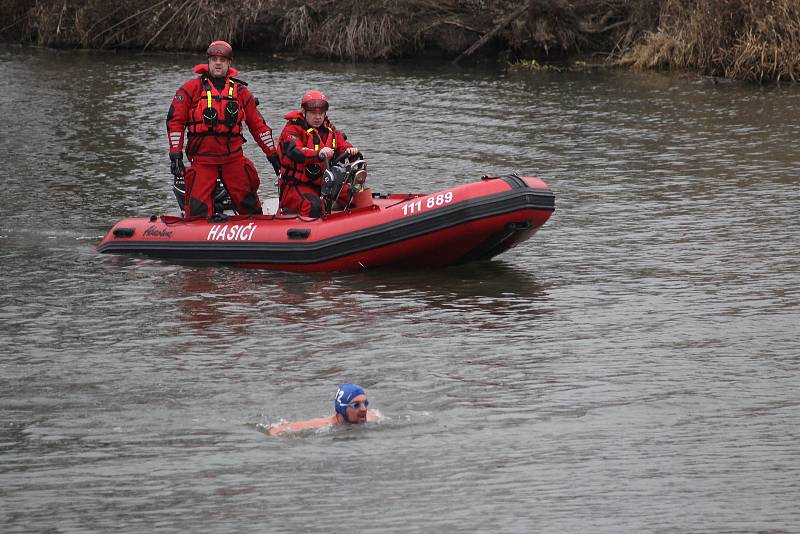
{"x": 469, "y": 222}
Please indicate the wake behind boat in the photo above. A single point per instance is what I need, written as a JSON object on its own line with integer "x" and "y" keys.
{"x": 474, "y": 221}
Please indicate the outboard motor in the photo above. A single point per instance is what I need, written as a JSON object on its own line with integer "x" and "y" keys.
{"x": 179, "y": 188}
{"x": 359, "y": 170}
{"x": 332, "y": 182}
{"x": 336, "y": 175}
{"x": 222, "y": 200}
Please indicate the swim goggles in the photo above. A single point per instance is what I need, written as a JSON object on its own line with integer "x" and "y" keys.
{"x": 356, "y": 405}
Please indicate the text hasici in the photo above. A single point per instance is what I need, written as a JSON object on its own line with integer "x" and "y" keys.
{"x": 236, "y": 232}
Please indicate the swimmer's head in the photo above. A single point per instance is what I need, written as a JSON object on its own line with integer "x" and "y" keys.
{"x": 344, "y": 397}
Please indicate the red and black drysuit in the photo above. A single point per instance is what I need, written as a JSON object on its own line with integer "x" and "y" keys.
{"x": 212, "y": 111}
{"x": 301, "y": 166}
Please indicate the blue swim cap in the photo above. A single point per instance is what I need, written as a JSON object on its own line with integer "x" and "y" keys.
{"x": 344, "y": 396}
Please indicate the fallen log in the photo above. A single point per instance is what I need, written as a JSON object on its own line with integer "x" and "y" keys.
{"x": 499, "y": 26}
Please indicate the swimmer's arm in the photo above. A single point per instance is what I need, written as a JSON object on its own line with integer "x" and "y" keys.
{"x": 296, "y": 426}
{"x": 373, "y": 416}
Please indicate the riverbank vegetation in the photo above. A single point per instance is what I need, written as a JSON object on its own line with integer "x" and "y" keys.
{"x": 755, "y": 40}
{"x": 744, "y": 39}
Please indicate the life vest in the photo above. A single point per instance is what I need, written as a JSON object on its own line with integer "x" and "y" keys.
{"x": 216, "y": 113}
{"x": 310, "y": 172}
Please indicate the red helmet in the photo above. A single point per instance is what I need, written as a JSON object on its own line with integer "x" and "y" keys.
{"x": 314, "y": 100}
{"x": 220, "y": 48}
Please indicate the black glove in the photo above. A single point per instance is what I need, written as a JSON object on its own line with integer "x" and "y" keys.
{"x": 176, "y": 164}
{"x": 276, "y": 163}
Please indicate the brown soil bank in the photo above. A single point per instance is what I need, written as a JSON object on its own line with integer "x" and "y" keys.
{"x": 743, "y": 39}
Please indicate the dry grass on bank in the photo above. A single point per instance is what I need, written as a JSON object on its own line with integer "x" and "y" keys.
{"x": 346, "y": 29}
{"x": 380, "y": 29}
{"x": 757, "y": 40}
{"x": 142, "y": 24}
{"x": 356, "y": 29}
{"x": 744, "y": 39}
{"x": 337, "y": 29}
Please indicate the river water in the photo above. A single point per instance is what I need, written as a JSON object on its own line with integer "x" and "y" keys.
{"x": 634, "y": 367}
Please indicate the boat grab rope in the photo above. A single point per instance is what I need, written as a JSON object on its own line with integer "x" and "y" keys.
{"x": 409, "y": 197}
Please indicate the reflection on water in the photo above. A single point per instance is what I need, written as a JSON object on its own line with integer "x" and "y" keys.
{"x": 632, "y": 367}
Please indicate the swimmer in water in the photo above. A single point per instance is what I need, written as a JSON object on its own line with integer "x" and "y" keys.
{"x": 350, "y": 405}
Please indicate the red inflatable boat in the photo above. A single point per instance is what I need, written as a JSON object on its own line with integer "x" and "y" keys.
{"x": 469, "y": 222}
